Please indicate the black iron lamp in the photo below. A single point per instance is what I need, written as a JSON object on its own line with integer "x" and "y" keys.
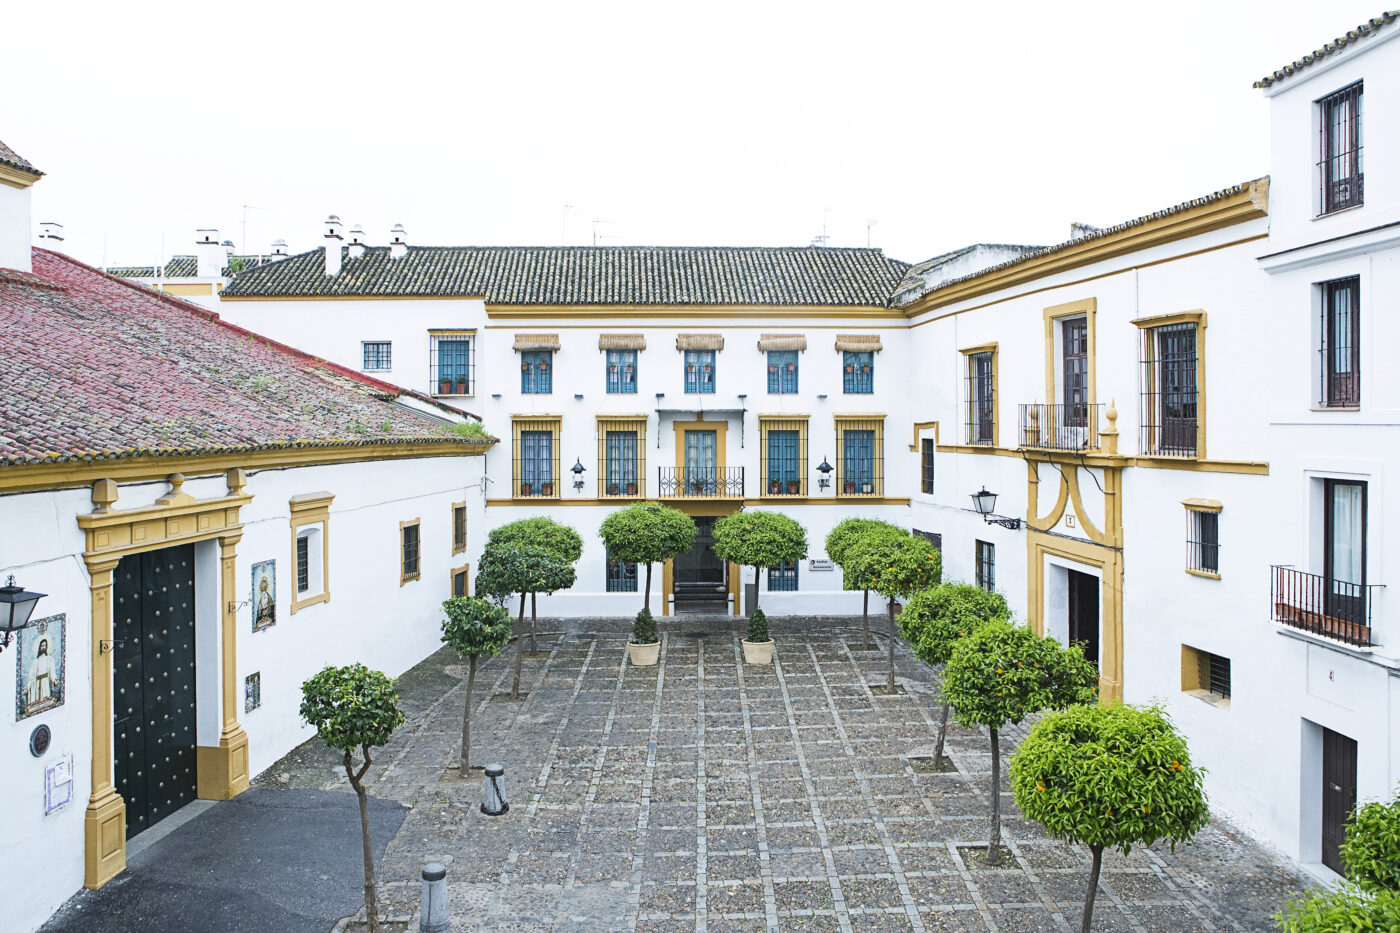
{"x": 578, "y": 469}
{"x": 16, "y": 606}
{"x": 824, "y": 469}
{"x": 985, "y": 504}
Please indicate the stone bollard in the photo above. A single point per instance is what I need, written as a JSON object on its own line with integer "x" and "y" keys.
{"x": 432, "y": 910}
{"x": 493, "y": 791}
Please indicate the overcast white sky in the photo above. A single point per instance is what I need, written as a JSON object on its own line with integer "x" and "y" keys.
{"x": 748, "y": 123}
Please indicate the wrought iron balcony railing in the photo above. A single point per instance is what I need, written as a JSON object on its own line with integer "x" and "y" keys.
{"x": 1312, "y": 603}
{"x": 1073, "y": 426}
{"x": 700, "y": 482}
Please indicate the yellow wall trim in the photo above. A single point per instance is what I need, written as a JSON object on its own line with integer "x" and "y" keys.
{"x": 187, "y": 288}
{"x": 919, "y": 428}
{"x": 16, "y": 177}
{"x": 1086, "y": 308}
{"x": 310, "y": 509}
{"x": 418, "y": 573}
{"x": 1202, "y": 505}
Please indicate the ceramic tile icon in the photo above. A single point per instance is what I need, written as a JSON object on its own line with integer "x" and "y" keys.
{"x": 39, "y": 669}
{"x": 264, "y": 595}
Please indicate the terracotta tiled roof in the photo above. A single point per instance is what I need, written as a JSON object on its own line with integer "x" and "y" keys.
{"x": 104, "y": 368}
{"x": 1352, "y": 36}
{"x": 596, "y": 275}
{"x": 9, "y": 157}
{"x": 182, "y": 267}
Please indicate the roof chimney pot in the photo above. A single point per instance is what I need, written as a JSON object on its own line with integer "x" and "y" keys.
{"x": 357, "y": 242}
{"x": 279, "y": 251}
{"x": 332, "y": 226}
{"x": 51, "y": 235}
{"x": 209, "y": 255}
{"x": 398, "y": 242}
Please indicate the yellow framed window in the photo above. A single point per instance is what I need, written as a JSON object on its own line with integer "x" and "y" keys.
{"x": 860, "y": 455}
{"x": 535, "y": 457}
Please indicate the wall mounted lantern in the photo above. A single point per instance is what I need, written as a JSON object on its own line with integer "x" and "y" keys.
{"x": 577, "y": 470}
{"x": 985, "y": 503}
{"x": 16, "y": 606}
{"x": 824, "y": 469}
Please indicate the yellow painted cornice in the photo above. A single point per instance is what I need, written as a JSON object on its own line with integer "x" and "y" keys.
{"x": 17, "y": 177}
{"x": 685, "y": 502}
{"x": 1110, "y": 462}
{"x": 64, "y": 474}
{"x": 1250, "y": 203}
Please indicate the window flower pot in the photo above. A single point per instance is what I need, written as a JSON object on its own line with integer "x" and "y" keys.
{"x": 867, "y": 488}
{"x": 850, "y": 369}
{"x": 631, "y": 489}
{"x": 547, "y": 489}
{"x": 690, "y": 368}
{"x": 772, "y": 369}
{"x": 628, "y": 368}
{"x": 612, "y": 489}
{"x": 444, "y": 386}
{"x": 462, "y": 386}
{"x": 644, "y": 655}
{"x": 791, "y": 367}
{"x": 793, "y": 487}
{"x": 544, "y": 367}
{"x": 524, "y": 367}
{"x": 612, "y": 367}
{"x": 758, "y": 652}
{"x": 773, "y": 487}
{"x": 526, "y": 489}
{"x": 865, "y": 368}
{"x": 850, "y": 486}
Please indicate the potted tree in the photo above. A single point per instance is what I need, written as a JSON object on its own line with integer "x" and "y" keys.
{"x": 934, "y": 621}
{"x": 757, "y": 642}
{"x": 758, "y": 540}
{"x": 1002, "y": 673}
{"x": 896, "y": 568}
{"x": 476, "y": 628}
{"x": 506, "y": 569}
{"x": 644, "y": 647}
{"x": 354, "y": 707}
{"x": 645, "y": 533}
{"x": 839, "y": 543}
{"x": 1109, "y": 776}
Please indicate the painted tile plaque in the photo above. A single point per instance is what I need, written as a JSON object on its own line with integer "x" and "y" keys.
{"x": 264, "y": 598}
{"x": 39, "y": 670}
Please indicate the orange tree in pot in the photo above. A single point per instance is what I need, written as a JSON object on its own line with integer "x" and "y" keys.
{"x": 896, "y": 568}
{"x": 759, "y": 539}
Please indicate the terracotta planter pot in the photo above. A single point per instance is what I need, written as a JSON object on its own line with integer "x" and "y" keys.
{"x": 644, "y": 655}
{"x": 758, "y": 652}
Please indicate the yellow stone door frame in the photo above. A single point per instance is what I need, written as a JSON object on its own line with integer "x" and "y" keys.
{"x": 176, "y": 518}
{"x": 715, "y": 507}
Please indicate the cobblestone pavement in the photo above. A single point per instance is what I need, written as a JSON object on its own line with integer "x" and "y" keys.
{"x": 706, "y": 795}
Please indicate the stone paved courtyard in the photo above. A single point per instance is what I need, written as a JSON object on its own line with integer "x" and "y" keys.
{"x": 704, "y": 794}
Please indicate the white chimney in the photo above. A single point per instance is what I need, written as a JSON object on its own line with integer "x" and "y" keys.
{"x": 279, "y": 251}
{"x": 333, "y": 240}
{"x": 1078, "y": 231}
{"x": 209, "y": 255}
{"x": 357, "y": 242}
{"x": 51, "y": 235}
{"x": 398, "y": 242}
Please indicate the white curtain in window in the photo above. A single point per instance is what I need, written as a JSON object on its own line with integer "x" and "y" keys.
{"x": 1346, "y": 535}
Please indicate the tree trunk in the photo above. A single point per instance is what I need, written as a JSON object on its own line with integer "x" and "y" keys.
{"x": 371, "y": 898}
{"x": 519, "y": 640}
{"x": 534, "y": 648}
{"x": 467, "y": 717}
{"x": 865, "y": 618}
{"x": 891, "y": 680}
{"x": 755, "y": 590}
{"x": 942, "y": 734}
{"x": 994, "y": 835}
{"x": 646, "y": 595}
{"x": 1093, "y": 888}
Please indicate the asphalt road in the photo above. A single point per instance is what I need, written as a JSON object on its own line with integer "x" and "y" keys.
{"x": 275, "y": 860}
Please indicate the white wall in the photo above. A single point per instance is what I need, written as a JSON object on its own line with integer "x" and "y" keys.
{"x": 369, "y": 618}
{"x": 15, "y": 229}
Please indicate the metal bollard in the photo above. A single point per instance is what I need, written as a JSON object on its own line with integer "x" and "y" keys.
{"x": 432, "y": 910}
{"x": 493, "y": 791}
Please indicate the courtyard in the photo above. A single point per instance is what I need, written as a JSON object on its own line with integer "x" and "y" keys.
{"x": 703, "y": 794}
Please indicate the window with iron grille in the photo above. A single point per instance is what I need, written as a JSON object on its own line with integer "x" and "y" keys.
{"x": 459, "y": 582}
{"x": 303, "y": 563}
{"x": 860, "y": 467}
{"x": 378, "y": 355}
{"x": 1341, "y": 343}
{"x": 783, "y": 577}
{"x": 535, "y": 457}
{"x": 622, "y": 576}
{"x": 536, "y": 372}
{"x": 622, "y": 372}
{"x": 1215, "y": 673}
{"x": 1203, "y": 541}
{"x": 700, "y": 372}
{"x": 622, "y": 456}
{"x": 459, "y": 527}
{"x": 408, "y": 552}
{"x": 858, "y": 372}
{"x": 1339, "y": 156}
{"x": 451, "y": 363}
{"x": 1074, "y": 370}
{"x": 926, "y": 466}
{"x": 1169, "y": 389}
{"x": 932, "y": 537}
{"x": 782, "y": 372}
{"x": 783, "y": 456}
{"x": 981, "y": 398}
{"x": 986, "y": 559}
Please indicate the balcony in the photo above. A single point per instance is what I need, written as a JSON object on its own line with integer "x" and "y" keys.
{"x": 700, "y": 483}
{"x": 1060, "y": 427}
{"x": 1333, "y": 609}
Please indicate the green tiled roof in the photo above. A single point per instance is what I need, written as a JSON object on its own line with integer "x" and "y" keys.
{"x": 591, "y": 275}
{"x": 1328, "y": 49}
{"x": 179, "y": 267}
{"x": 9, "y": 157}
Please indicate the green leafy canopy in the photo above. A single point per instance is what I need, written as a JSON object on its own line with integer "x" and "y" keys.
{"x": 758, "y": 627}
{"x": 475, "y": 627}
{"x": 1371, "y": 850}
{"x": 560, "y": 540}
{"x": 505, "y": 570}
{"x": 936, "y": 618}
{"x": 848, "y": 534}
{"x": 351, "y": 706}
{"x": 759, "y": 539}
{"x": 1344, "y": 909}
{"x": 644, "y": 629}
{"x": 894, "y": 567}
{"x": 646, "y": 533}
{"x": 1113, "y": 776}
{"x": 1002, "y": 672}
